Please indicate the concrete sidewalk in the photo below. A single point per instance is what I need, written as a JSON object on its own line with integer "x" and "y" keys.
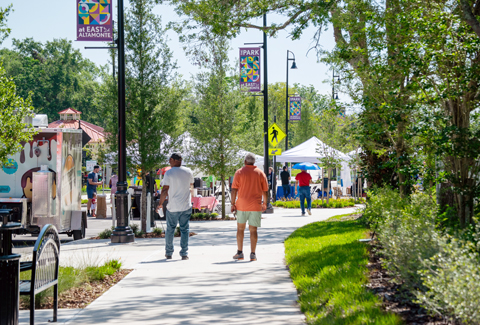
{"x": 210, "y": 288}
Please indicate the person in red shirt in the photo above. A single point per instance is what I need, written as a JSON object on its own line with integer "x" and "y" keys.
{"x": 303, "y": 180}
{"x": 250, "y": 183}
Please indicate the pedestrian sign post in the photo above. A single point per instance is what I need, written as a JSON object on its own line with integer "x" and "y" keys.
{"x": 275, "y": 134}
{"x": 274, "y": 152}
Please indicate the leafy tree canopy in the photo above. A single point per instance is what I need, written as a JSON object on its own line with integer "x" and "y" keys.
{"x": 57, "y": 76}
{"x": 229, "y": 17}
{"x": 4, "y": 30}
{"x": 13, "y": 110}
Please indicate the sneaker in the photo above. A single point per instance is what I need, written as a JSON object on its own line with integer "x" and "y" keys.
{"x": 169, "y": 257}
{"x": 185, "y": 258}
{"x": 253, "y": 257}
{"x": 309, "y": 212}
{"x": 238, "y": 257}
{"x": 303, "y": 214}
{"x": 89, "y": 215}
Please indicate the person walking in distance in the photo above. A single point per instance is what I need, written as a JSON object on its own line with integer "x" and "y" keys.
{"x": 250, "y": 184}
{"x": 303, "y": 181}
{"x": 113, "y": 189}
{"x": 270, "y": 180}
{"x": 178, "y": 185}
{"x": 113, "y": 183}
{"x": 285, "y": 176}
{"x": 92, "y": 183}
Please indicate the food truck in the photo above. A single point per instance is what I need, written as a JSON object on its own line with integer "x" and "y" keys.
{"x": 42, "y": 183}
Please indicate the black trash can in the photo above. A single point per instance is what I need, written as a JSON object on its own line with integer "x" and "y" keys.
{"x": 9, "y": 272}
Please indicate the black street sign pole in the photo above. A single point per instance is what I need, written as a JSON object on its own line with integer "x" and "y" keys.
{"x": 265, "y": 110}
{"x": 274, "y": 177}
{"x": 265, "y": 99}
{"x": 122, "y": 233}
{"x": 287, "y": 96}
{"x": 287, "y": 115}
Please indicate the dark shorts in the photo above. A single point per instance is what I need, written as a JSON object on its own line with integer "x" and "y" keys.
{"x": 90, "y": 193}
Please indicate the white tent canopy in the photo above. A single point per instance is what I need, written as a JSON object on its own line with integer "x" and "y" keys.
{"x": 311, "y": 151}
{"x": 308, "y": 152}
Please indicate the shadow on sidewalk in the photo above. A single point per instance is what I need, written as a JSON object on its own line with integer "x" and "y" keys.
{"x": 262, "y": 296}
{"x": 217, "y": 237}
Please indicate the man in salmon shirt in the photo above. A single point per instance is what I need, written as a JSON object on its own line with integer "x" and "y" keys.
{"x": 304, "y": 180}
{"x": 250, "y": 183}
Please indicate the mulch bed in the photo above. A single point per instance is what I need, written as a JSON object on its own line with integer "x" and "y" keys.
{"x": 81, "y": 297}
{"x": 382, "y": 285}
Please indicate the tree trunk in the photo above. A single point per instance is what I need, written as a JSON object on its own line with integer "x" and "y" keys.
{"x": 445, "y": 196}
{"x": 460, "y": 165}
{"x": 322, "y": 187}
{"x": 222, "y": 177}
{"x": 357, "y": 182}
{"x": 469, "y": 16}
{"x": 143, "y": 209}
{"x": 360, "y": 186}
{"x": 400, "y": 149}
{"x": 464, "y": 201}
{"x": 328, "y": 185}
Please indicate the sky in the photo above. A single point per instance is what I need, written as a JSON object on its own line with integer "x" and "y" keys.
{"x": 54, "y": 19}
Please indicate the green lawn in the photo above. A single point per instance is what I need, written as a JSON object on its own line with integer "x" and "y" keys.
{"x": 328, "y": 266}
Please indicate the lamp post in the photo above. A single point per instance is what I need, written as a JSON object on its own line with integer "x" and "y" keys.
{"x": 265, "y": 101}
{"x": 334, "y": 93}
{"x": 265, "y": 110}
{"x": 287, "y": 106}
{"x": 122, "y": 233}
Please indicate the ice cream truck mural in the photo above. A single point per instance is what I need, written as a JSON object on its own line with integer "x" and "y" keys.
{"x": 42, "y": 183}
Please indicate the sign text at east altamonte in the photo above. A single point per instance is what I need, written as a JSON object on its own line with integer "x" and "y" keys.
{"x": 94, "y": 20}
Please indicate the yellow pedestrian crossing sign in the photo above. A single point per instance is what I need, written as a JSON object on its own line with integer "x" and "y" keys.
{"x": 274, "y": 151}
{"x": 275, "y": 134}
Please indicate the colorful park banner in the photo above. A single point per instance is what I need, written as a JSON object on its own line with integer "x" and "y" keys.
{"x": 295, "y": 108}
{"x": 94, "y": 20}
{"x": 250, "y": 69}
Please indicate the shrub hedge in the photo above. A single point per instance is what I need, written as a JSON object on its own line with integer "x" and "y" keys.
{"x": 333, "y": 203}
{"x": 440, "y": 269}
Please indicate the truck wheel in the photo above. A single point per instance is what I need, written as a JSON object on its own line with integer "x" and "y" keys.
{"x": 79, "y": 234}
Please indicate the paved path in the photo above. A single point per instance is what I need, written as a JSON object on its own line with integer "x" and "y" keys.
{"x": 210, "y": 288}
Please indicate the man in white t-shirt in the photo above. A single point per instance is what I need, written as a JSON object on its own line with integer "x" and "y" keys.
{"x": 178, "y": 186}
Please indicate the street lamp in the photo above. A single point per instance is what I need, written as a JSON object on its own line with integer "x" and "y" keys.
{"x": 287, "y": 108}
{"x": 265, "y": 108}
{"x": 334, "y": 93}
{"x": 122, "y": 233}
